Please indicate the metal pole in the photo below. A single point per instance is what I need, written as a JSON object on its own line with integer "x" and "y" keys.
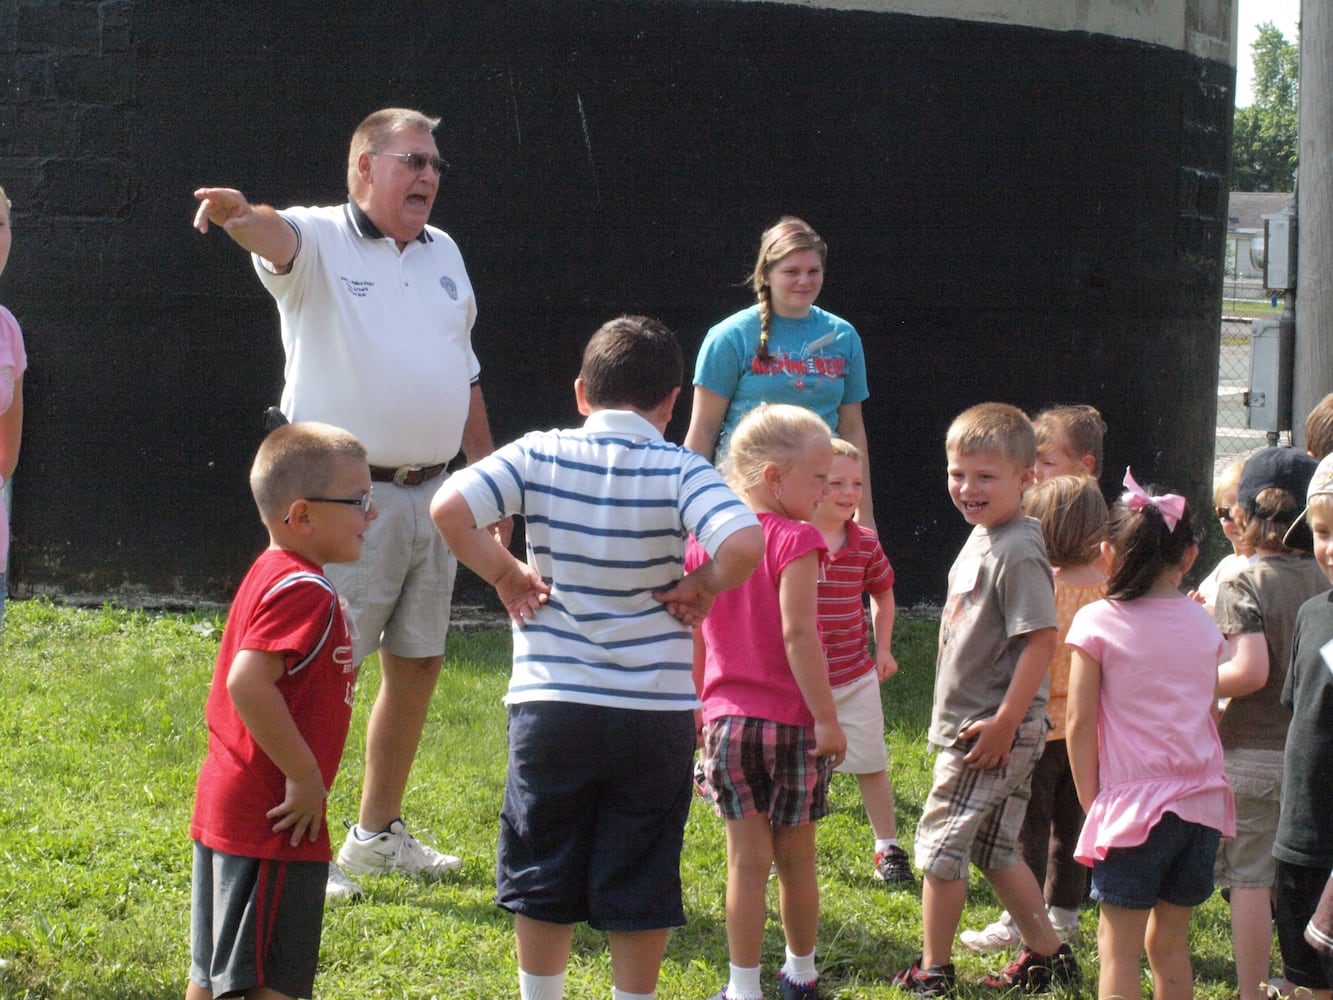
{"x": 1314, "y": 199}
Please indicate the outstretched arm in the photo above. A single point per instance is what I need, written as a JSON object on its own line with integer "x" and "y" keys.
{"x": 520, "y": 586}
{"x": 257, "y": 228}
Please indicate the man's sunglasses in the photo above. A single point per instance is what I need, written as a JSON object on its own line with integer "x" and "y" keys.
{"x": 417, "y": 162}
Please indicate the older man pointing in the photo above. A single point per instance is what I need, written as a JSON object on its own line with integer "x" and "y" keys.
{"x": 376, "y": 312}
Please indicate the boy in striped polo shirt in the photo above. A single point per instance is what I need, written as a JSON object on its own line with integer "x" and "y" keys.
{"x": 857, "y": 566}
{"x": 602, "y": 721}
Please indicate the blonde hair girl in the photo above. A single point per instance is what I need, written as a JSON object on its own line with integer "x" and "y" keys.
{"x": 770, "y": 728}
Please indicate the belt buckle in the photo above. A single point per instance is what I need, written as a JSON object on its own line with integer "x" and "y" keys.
{"x": 401, "y": 474}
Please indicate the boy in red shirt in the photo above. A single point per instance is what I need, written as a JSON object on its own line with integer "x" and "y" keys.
{"x": 857, "y": 566}
{"x": 277, "y": 713}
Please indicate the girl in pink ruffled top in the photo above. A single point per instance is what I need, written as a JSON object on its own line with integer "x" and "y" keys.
{"x": 1144, "y": 749}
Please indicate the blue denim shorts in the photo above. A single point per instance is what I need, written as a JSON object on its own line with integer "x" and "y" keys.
{"x": 1175, "y": 865}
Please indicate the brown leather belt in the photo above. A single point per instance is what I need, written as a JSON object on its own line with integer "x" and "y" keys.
{"x": 406, "y": 475}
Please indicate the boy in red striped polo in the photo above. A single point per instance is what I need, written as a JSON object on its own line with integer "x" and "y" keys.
{"x": 857, "y": 566}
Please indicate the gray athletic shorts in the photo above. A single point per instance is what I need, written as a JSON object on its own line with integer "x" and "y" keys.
{"x": 237, "y": 902}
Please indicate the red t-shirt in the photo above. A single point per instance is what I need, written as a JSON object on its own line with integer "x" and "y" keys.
{"x": 284, "y": 605}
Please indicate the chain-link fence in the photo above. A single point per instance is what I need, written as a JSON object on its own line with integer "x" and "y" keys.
{"x": 1235, "y": 440}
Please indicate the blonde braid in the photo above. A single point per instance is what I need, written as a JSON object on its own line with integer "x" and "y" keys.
{"x": 765, "y": 323}
{"x": 785, "y": 236}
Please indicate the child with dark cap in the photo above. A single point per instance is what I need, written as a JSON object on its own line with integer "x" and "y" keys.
{"x": 1256, "y": 611}
{"x": 1304, "y": 844}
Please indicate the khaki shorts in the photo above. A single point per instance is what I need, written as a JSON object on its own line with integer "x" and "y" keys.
{"x": 399, "y": 592}
{"x": 976, "y": 814}
{"x": 861, "y": 715}
{"x": 1246, "y": 860}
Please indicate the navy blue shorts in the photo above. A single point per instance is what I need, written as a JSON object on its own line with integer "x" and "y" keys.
{"x": 1298, "y": 892}
{"x": 1175, "y": 865}
{"x": 594, "y": 814}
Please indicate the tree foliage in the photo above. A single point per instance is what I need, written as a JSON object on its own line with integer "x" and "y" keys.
{"x": 1264, "y": 141}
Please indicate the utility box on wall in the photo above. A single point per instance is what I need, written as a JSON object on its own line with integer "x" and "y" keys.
{"x": 1268, "y": 400}
{"x": 1280, "y": 251}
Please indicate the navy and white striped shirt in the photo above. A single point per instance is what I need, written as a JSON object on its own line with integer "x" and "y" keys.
{"x": 607, "y": 509}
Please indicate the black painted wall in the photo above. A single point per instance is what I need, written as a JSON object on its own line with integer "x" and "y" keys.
{"x": 1012, "y": 214}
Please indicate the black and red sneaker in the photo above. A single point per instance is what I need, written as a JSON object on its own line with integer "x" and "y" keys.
{"x": 1033, "y": 973}
{"x": 936, "y": 981}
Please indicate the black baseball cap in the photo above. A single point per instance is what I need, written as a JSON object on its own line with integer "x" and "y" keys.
{"x": 1288, "y": 469}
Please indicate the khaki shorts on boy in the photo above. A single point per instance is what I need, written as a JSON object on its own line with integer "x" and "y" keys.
{"x": 1246, "y": 860}
{"x": 861, "y": 715}
{"x": 975, "y": 814}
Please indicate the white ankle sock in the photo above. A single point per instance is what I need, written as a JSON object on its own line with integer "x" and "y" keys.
{"x": 1062, "y": 917}
{"x": 744, "y": 984}
{"x": 622, "y": 995}
{"x": 532, "y": 987}
{"x": 882, "y": 844}
{"x": 800, "y": 969}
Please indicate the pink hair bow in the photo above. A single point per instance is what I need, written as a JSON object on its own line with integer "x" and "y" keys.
{"x": 1170, "y": 505}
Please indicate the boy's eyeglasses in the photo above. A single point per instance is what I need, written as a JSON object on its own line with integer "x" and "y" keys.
{"x": 364, "y": 501}
{"x": 1224, "y": 513}
{"x": 417, "y": 162}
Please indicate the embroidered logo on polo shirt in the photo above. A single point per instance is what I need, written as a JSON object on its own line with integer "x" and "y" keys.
{"x": 358, "y": 287}
{"x": 447, "y": 283}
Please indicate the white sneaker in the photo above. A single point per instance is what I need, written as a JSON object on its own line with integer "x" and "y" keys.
{"x": 993, "y": 937}
{"x": 393, "y": 850}
{"x": 339, "y": 886}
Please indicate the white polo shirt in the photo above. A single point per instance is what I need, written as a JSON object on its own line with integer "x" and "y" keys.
{"x": 377, "y": 341}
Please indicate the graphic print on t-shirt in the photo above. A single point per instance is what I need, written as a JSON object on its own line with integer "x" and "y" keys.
{"x": 808, "y": 366}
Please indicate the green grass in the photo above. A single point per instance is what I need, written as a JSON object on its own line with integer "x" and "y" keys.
{"x": 101, "y": 733}
{"x": 1251, "y": 307}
